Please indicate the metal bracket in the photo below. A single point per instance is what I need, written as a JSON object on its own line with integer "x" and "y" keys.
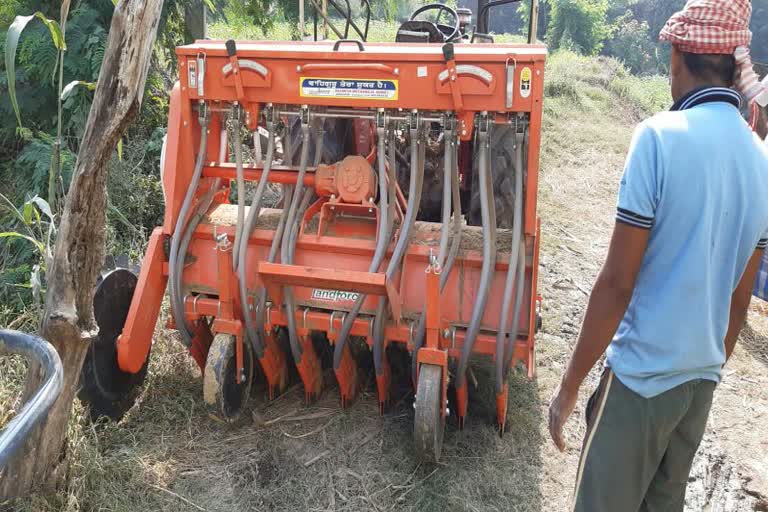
{"x": 201, "y": 62}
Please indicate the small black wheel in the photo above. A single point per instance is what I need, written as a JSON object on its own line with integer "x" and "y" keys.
{"x": 221, "y": 392}
{"x": 104, "y": 387}
{"x": 428, "y": 422}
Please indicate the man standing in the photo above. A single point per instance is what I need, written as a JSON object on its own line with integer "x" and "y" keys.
{"x": 670, "y": 300}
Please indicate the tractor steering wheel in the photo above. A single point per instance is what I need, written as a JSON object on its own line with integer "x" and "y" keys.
{"x": 450, "y": 32}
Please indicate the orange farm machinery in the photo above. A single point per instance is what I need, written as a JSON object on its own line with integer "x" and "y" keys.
{"x": 344, "y": 254}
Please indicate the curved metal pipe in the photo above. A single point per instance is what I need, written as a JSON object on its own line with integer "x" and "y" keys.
{"x": 488, "y": 215}
{"x": 250, "y": 224}
{"x": 285, "y": 249}
{"x": 38, "y": 351}
{"x": 412, "y": 210}
{"x": 501, "y": 334}
{"x": 177, "y": 301}
{"x": 382, "y": 241}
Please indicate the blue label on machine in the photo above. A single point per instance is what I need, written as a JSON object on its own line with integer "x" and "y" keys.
{"x": 356, "y": 88}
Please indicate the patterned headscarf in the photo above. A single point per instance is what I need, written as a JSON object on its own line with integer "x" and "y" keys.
{"x": 710, "y": 26}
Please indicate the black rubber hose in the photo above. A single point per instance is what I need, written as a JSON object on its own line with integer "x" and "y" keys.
{"x": 488, "y": 215}
{"x": 276, "y": 243}
{"x": 382, "y": 241}
{"x": 420, "y": 327}
{"x": 412, "y": 210}
{"x": 501, "y": 334}
{"x": 520, "y": 287}
{"x": 240, "y": 226}
{"x": 177, "y": 301}
{"x": 285, "y": 249}
{"x": 250, "y": 225}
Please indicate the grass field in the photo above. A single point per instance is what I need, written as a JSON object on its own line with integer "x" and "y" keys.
{"x": 169, "y": 454}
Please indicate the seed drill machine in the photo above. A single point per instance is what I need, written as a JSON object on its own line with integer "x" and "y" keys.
{"x": 385, "y": 200}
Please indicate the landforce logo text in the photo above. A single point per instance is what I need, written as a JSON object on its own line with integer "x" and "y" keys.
{"x": 334, "y": 295}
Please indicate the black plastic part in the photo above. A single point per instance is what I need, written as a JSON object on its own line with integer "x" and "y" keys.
{"x": 448, "y": 52}
{"x": 539, "y": 322}
{"x": 231, "y": 48}
{"x": 355, "y": 41}
{"x": 104, "y": 387}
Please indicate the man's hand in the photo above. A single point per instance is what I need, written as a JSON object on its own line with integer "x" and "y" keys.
{"x": 560, "y": 409}
{"x": 607, "y": 305}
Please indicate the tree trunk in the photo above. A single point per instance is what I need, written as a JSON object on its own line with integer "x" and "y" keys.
{"x": 195, "y": 20}
{"x": 68, "y": 321}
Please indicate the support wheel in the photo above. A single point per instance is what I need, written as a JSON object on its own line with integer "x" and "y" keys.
{"x": 221, "y": 391}
{"x": 428, "y": 422}
{"x": 104, "y": 387}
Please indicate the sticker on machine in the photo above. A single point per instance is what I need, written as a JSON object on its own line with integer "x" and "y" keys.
{"x": 355, "y": 88}
{"x": 525, "y": 82}
{"x": 334, "y": 295}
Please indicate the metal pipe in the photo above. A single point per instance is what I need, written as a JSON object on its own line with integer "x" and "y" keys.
{"x": 412, "y": 209}
{"x": 488, "y": 215}
{"x": 285, "y": 249}
{"x": 515, "y": 249}
{"x": 382, "y": 241}
{"x": 41, "y": 353}
{"x": 177, "y": 301}
{"x": 447, "y": 169}
{"x": 250, "y": 224}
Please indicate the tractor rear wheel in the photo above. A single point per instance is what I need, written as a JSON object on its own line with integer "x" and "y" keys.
{"x": 221, "y": 391}
{"x": 502, "y": 176}
{"x": 104, "y": 387}
{"x": 428, "y": 421}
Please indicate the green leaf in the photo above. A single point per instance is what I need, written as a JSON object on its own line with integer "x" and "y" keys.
{"x": 70, "y": 87}
{"x": 209, "y": 4}
{"x": 114, "y": 2}
{"x": 120, "y": 150}
{"x": 28, "y": 207}
{"x": 43, "y": 205}
{"x": 12, "y": 234}
{"x": 12, "y": 43}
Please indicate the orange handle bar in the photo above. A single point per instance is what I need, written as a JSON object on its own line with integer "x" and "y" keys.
{"x": 347, "y": 66}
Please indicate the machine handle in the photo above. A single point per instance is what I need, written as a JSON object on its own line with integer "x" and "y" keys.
{"x": 335, "y": 66}
{"x": 231, "y": 48}
{"x": 356, "y": 41}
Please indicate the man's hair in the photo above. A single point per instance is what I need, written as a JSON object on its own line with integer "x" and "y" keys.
{"x": 709, "y": 66}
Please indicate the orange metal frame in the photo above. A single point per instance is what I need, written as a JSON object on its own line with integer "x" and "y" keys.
{"x": 336, "y": 258}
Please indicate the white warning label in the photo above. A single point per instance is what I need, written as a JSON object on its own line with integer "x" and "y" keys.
{"x": 357, "y": 88}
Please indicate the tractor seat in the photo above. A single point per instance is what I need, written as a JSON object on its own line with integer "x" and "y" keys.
{"x": 416, "y": 31}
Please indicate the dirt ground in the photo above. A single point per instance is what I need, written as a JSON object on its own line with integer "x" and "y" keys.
{"x": 169, "y": 454}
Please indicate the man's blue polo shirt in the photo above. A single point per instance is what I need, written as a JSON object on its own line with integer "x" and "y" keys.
{"x": 697, "y": 178}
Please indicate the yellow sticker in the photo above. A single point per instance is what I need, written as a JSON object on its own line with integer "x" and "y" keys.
{"x": 525, "y": 82}
{"x": 354, "y": 88}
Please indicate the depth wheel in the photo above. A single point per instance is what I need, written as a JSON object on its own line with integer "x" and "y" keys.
{"x": 428, "y": 422}
{"x": 221, "y": 392}
{"x": 104, "y": 387}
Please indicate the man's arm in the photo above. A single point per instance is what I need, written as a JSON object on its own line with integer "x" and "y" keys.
{"x": 740, "y": 299}
{"x": 607, "y": 305}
